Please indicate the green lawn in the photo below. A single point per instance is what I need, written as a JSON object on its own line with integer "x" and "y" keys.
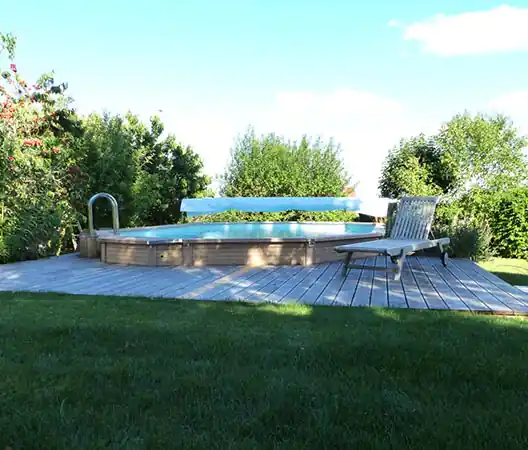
{"x": 124, "y": 373}
{"x": 514, "y": 271}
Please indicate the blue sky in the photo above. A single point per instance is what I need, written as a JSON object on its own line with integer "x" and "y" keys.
{"x": 366, "y": 73}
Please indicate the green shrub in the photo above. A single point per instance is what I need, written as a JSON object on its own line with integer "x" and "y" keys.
{"x": 286, "y": 216}
{"x": 471, "y": 239}
{"x": 470, "y": 236}
{"x": 509, "y": 223}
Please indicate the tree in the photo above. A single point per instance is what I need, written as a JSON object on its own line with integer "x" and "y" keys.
{"x": 148, "y": 174}
{"x": 480, "y": 151}
{"x": 269, "y": 166}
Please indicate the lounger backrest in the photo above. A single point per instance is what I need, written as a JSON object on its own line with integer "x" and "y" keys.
{"x": 414, "y": 218}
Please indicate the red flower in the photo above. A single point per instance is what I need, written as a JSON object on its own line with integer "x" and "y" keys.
{"x": 11, "y": 166}
{"x": 14, "y": 67}
{"x": 11, "y": 158}
{"x": 55, "y": 150}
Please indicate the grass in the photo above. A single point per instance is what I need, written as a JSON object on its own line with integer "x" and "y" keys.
{"x": 514, "y": 271}
{"x": 125, "y": 373}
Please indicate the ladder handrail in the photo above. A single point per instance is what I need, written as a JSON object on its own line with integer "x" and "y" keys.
{"x": 115, "y": 212}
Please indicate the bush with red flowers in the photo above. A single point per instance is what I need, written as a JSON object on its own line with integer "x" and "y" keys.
{"x": 37, "y": 193}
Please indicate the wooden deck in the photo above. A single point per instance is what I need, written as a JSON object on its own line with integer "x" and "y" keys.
{"x": 425, "y": 284}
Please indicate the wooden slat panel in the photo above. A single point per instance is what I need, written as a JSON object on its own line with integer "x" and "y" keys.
{"x": 324, "y": 250}
{"x": 126, "y": 254}
{"x": 246, "y": 254}
{"x": 169, "y": 255}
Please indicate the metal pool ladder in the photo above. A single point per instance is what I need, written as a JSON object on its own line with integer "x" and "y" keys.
{"x": 115, "y": 212}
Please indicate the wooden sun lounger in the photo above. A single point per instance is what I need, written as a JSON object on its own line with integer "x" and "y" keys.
{"x": 412, "y": 227}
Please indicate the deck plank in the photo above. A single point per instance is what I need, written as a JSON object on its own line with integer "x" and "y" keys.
{"x": 397, "y": 298}
{"x": 413, "y": 294}
{"x": 482, "y": 294}
{"x": 462, "y": 286}
{"x": 500, "y": 283}
{"x": 348, "y": 288}
{"x": 500, "y": 295}
{"x": 282, "y": 276}
{"x": 253, "y": 292}
{"x": 170, "y": 288}
{"x": 311, "y": 295}
{"x": 230, "y": 287}
{"x": 364, "y": 289}
{"x": 121, "y": 280}
{"x": 298, "y": 291}
{"x": 431, "y": 296}
{"x": 462, "y": 291}
{"x": 380, "y": 296}
{"x": 331, "y": 290}
{"x": 90, "y": 284}
{"x": 450, "y": 298}
{"x": 284, "y": 289}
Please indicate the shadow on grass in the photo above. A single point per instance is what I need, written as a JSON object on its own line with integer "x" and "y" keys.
{"x": 517, "y": 279}
{"x": 129, "y": 373}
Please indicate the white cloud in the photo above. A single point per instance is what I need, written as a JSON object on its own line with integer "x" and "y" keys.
{"x": 501, "y": 29}
{"x": 511, "y": 102}
{"x": 514, "y": 105}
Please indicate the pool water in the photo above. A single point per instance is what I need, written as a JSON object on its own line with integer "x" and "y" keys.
{"x": 252, "y": 230}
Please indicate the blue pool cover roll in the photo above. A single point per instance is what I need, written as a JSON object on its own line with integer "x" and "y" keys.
{"x": 199, "y": 206}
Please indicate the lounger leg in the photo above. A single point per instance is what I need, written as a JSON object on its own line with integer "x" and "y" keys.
{"x": 399, "y": 268}
{"x": 345, "y": 269}
{"x": 443, "y": 255}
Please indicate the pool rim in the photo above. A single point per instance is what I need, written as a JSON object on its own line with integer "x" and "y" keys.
{"x": 107, "y": 235}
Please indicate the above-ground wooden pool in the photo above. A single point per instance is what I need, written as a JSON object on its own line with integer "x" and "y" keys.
{"x": 253, "y": 244}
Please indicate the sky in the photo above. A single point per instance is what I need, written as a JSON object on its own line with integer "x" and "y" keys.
{"x": 365, "y": 73}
